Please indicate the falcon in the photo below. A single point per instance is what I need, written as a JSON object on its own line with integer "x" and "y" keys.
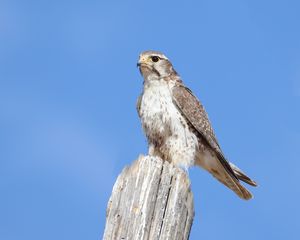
{"x": 177, "y": 126}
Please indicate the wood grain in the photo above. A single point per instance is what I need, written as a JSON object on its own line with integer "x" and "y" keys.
{"x": 151, "y": 199}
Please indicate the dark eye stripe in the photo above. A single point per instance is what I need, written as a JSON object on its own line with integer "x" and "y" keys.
{"x": 154, "y": 58}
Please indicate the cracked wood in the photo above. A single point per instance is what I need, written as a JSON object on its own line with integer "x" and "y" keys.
{"x": 151, "y": 199}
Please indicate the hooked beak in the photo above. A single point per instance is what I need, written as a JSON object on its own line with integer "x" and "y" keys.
{"x": 143, "y": 61}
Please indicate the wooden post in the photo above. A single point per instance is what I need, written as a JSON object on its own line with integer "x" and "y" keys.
{"x": 152, "y": 200}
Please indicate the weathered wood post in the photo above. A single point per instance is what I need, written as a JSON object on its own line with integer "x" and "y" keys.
{"x": 152, "y": 200}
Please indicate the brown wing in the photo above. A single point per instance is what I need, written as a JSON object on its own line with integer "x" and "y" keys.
{"x": 138, "y": 104}
{"x": 195, "y": 113}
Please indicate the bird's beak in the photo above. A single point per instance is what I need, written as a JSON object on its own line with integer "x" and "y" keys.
{"x": 142, "y": 61}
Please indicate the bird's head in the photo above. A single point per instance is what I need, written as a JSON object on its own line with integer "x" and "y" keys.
{"x": 154, "y": 65}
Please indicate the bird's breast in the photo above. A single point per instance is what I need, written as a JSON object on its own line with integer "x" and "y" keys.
{"x": 157, "y": 109}
{"x": 166, "y": 128}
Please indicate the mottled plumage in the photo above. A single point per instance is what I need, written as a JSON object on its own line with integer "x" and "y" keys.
{"x": 177, "y": 127}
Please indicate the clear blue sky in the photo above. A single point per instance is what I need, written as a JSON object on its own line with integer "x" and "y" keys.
{"x": 68, "y": 124}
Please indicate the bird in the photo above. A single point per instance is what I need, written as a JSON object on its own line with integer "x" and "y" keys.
{"x": 177, "y": 126}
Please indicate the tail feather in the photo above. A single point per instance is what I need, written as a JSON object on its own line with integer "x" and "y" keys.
{"x": 232, "y": 183}
{"x": 230, "y": 175}
{"x": 225, "y": 172}
{"x": 242, "y": 176}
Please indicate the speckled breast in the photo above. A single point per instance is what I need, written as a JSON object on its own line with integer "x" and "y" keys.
{"x": 156, "y": 110}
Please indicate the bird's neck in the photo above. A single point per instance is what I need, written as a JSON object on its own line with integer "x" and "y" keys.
{"x": 170, "y": 79}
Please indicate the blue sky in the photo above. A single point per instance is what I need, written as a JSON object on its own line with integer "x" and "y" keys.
{"x": 68, "y": 124}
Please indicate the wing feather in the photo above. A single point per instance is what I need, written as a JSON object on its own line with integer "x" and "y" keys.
{"x": 195, "y": 113}
{"x": 138, "y": 104}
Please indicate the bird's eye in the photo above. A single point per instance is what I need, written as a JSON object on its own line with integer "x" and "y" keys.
{"x": 154, "y": 58}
